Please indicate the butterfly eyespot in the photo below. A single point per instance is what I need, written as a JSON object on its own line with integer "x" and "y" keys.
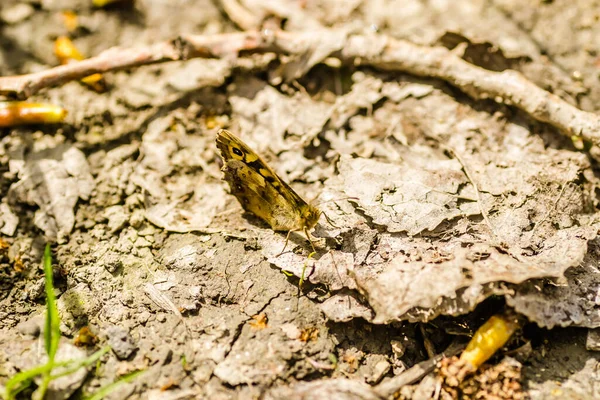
{"x": 237, "y": 152}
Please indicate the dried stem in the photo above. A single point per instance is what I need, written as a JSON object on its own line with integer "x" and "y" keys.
{"x": 240, "y": 15}
{"x": 309, "y": 48}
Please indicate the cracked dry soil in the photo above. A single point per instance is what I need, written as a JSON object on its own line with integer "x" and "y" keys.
{"x": 444, "y": 210}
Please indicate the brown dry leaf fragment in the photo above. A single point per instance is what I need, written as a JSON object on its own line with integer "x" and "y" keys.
{"x": 260, "y": 321}
{"x": 315, "y": 51}
{"x": 265, "y": 116}
{"x": 366, "y": 91}
{"x": 573, "y": 301}
{"x": 422, "y": 289}
{"x": 309, "y": 334}
{"x": 411, "y": 197}
{"x": 176, "y": 199}
{"x": 54, "y": 179}
{"x": 339, "y": 389}
{"x": 8, "y": 219}
{"x": 255, "y": 14}
{"x": 85, "y": 337}
{"x": 343, "y": 307}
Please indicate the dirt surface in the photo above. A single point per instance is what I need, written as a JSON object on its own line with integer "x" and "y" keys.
{"x": 441, "y": 210}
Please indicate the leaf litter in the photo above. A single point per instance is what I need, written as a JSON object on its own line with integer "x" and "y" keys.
{"x": 437, "y": 203}
{"x": 433, "y": 251}
{"x": 436, "y": 217}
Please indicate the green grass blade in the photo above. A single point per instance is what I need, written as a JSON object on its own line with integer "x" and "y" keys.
{"x": 18, "y": 389}
{"x": 21, "y": 380}
{"x": 52, "y": 331}
{"x": 106, "y": 390}
{"x": 52, "y": 336}
{"x": 82, "y": 363}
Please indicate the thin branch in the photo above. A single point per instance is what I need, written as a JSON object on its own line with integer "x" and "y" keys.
{"x": 240, "y": 15}
{"x": 389, "y": 386}
{"x": 312, "y": 47}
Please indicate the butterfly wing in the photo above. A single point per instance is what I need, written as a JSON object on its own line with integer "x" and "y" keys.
{"x": 259, "y": 189}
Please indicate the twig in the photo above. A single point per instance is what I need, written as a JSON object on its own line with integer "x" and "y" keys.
{"x": 312, "y": 47}
{"x": 240, "y": 15}
{"x": 114, "y": 59}
{"x": 268, "y": 14}
{"x": 388, "y": 387}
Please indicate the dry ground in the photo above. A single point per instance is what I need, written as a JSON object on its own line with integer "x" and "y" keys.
{"x": 445, "y": 209}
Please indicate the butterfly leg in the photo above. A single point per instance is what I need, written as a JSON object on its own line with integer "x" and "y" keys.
{"x": 311, "y": 242}
{"x": 287, "y": 238}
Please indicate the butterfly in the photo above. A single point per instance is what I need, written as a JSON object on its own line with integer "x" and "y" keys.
{"x": 261, "y": 191}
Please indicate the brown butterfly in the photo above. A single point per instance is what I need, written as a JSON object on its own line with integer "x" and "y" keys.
{"x": 261, "y": 192}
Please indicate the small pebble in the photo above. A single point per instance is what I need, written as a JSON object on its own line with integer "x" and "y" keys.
{"x": 121, "y": 342}
{"x": 17, "y": 13}
{"x": 592, "y": 342}
{"x": 31, "y": 327}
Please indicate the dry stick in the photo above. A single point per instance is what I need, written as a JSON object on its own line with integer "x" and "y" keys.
{"x": 389, "y": 386}
{"x": 240, "y": 15}
{"x": 268, "y": 14}
{"x": 114, "y": 59}
{"x": 379, "y": 51}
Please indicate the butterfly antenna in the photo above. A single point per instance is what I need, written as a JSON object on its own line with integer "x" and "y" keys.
{"x": 329, "y": 221}
{"x": 332, "y": 200}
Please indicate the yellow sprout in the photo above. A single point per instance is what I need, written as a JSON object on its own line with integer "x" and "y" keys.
{"x": 14, "y": 113}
